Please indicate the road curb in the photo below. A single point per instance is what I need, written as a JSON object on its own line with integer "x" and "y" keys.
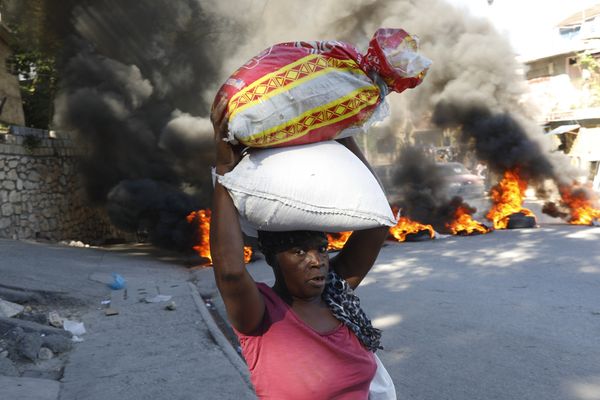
{"x": 29, "y": 388}
{"x": 220, "y": 338}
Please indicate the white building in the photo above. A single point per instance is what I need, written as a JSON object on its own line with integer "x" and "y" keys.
{"x": 565, "y": 85}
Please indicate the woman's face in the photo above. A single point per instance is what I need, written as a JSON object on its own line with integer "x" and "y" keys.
{"x": 304, "y": 268}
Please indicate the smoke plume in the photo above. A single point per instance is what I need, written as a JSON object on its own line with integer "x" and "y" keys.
{"x": 421, "y": 186}
{"x": 497, "y": 139}
{"x": 138, "y": 77}
{"x": 155, "y": 210}
{"x": 136, "y": 85}
{"x": 422, "y": 191}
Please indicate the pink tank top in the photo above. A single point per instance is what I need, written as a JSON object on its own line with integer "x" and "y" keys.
{"x": 289, "y": 360}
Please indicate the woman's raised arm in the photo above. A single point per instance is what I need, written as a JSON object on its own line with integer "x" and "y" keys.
{"x": 362, "y": 248}
{"x": 244, "y": 303}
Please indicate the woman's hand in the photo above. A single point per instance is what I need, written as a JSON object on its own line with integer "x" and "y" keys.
{"x": 227, "y": 155}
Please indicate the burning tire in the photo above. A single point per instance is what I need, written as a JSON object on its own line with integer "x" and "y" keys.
{"x": 520, "y": 221}
{"x": 419, "y": 236}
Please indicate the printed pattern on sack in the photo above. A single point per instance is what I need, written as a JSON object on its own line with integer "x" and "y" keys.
{"x": 338, "y": 110}
{"x": 236, "y": 83}
{"x": 285, "y": 78}
{"x": 320, "y": 46}
{"x": 254, "y": 61}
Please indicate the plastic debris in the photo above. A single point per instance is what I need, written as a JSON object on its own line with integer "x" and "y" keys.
{"x": 74, "y": 243}
{"x": 118, "y": 282}
{"x": 76, "y": 328}
{"x": 209, "y": 304}
{"x": 55, "y": 319}
{"x": 8, "y": 309}
{"x": 158, "y": 298}
{"x": 111, "y": 311}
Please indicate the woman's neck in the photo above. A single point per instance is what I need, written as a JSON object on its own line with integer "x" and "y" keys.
{"x": 284, "y": 294}
{"x": 313, "y": 311}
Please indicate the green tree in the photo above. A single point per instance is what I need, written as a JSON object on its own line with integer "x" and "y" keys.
{"x": 590, "y": 68}
{"x": 37, "y": 39}
{"x": 37, "y": 79}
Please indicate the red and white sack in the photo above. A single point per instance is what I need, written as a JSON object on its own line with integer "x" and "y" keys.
{"x": 304, "y": 92}
{"x": 319, "y": 186}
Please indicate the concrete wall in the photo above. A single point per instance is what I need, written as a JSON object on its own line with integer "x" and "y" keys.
{"x": 41, "y": 191}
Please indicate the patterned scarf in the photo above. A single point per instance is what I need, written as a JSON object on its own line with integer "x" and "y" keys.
{"x": 345, "y": 306}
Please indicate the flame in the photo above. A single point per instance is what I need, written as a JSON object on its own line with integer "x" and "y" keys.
{"x": 464, "y": 224}
{"x": 405, "y": 226}
{"x": 337, "y": 240}
{"x": 203, "y": 247}
{"x": 247, "y": 254}
{"x": 507, "y": 197}
{"x": 580, "y": 205}
{"x": 203, "y": 218}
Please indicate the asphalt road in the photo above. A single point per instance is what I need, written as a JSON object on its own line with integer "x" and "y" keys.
{"x": 513, "y": 314}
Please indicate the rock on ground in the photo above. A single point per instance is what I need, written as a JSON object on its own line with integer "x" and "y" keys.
{"x": 7, "y": 368}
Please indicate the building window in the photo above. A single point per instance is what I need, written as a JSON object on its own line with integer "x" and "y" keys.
{"x": 569, "y": 32}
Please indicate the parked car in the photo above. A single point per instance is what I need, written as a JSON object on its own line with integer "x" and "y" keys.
{"x": 460, "y": 181}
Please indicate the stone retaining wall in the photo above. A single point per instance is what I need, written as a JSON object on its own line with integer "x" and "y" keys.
{"x": 41, "y": 191}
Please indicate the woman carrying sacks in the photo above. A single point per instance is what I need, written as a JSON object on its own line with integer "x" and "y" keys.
{"x": 306, "y": 337}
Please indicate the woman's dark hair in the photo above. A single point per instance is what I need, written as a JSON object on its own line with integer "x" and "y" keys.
{"x": 271, "y": 243}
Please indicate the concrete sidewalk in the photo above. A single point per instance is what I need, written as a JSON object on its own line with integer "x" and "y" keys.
{"x": 145, "y": 351}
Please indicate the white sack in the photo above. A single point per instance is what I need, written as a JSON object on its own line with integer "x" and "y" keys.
{"x": 321, "y": 186}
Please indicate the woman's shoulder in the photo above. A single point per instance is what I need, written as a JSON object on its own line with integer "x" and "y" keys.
{"x": 265, "y": 289}
{"x": 275, "y": 308}
{"x": 271, "y": 298}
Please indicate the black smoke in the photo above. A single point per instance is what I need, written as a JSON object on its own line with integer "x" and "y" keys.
{"x": 497, "y": 139}
{"x": 155, "y": 211}
{"x": 421, "y": 185}
{"x": 136, "y": 79}
{"x": 423, "y": 192}
{"x": 554, "y": 210}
